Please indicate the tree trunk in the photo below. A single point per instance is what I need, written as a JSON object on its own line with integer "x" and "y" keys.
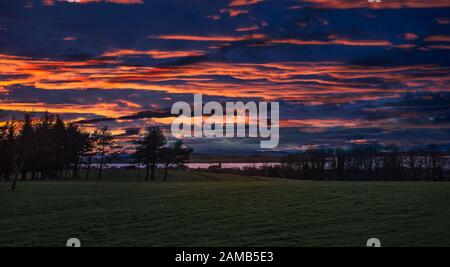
{"x": 153, "y": 171}
{"x": 147, "y": 170}
{"x": 139, "y": 172}
{"x": 16, "y": 174}
{"x": 75, "y": 171}
{"x": 166, "y": 171}
{"x": 88, "y": 168}
{"x": 14, "y": 181}
{"x": 101, "y": 167}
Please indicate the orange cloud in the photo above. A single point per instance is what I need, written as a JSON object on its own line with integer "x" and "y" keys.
{"x": 211, "y": 38}
{"x": 406, "y": 46}
{"x": 391, "y": 4}
{"x": 70, "y": 38}
{"x": 235, "y": 3}
{"x": 359, "y": 141}
{"x": 410, "y": 36}
{"x": 443, "y": 47}
{"x": 246, "y": 29}
{"x": 234, "y": 12}
{"x": 443, "y": 21}
{"x": 312, "y": 82}
{"x": 438, "y": 38}
{"x": 347, "y": 42}
{"x": 317, "y": 125}
{"x": 101, "y": 109}
{"x": 130, "y": 104}
{"x": 156, "y": 54}
{"x": 321, "y": 123}
{"x": 214, "y": 17}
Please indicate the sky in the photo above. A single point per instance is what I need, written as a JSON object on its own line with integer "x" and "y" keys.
{"x": 344, "y": 71}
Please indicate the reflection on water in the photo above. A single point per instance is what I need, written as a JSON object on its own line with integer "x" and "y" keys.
{"x": 196, "y": 165}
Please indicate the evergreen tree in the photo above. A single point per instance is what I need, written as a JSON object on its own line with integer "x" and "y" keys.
{"x": 176, "y": 155}
{"x": 149, "y": 149}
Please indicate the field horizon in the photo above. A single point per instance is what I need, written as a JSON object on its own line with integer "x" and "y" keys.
{"x": 202, "y": 209}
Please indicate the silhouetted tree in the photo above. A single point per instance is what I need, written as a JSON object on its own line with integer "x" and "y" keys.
{"x": 50, "y": 148}
{"x": 104, "y": 144}
{"x": 45, "y": 147}
{"x": 22, "y": 145}
{"x": 89, "y": 152}
{"x": 76, "y": 145}
{"x": 435, "y": 163}
{"x": 7, "y": 142}
{"x": 176, "y": 155}
{"x": 149, "y": 148}
{"x": 366, "y": 162}
{"x": 3, "y": 151}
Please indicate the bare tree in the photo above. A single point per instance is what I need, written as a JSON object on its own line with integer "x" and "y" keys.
{"x": 104, "y": 144}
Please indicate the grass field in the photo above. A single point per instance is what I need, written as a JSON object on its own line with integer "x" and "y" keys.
{"x": 195, "y": 209}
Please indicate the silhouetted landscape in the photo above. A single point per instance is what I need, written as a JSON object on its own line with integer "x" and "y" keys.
{"x": 49, "y": 148}
{"x": 225, "y": 123}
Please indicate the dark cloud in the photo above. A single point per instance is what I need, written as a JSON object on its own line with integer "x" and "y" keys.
{"x": 341, "y": 72}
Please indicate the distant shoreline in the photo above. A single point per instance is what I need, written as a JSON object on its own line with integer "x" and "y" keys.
{"x": 197, "y": 165}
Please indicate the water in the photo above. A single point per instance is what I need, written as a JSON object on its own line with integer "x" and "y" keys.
{"x": 196, "y": 165}
{"x": 231, "y": 165}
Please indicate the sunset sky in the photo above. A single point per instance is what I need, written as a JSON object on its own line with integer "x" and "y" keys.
{"x": 344, "y": 71}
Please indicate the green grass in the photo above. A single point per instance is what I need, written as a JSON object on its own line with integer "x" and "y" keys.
{"x": 195, "y": 209}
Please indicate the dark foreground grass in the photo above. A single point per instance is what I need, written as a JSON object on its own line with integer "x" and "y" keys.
{"x": 220, "y": 210}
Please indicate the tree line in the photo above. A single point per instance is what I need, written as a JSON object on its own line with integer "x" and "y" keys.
{"x": 369, "y": 162}
{"x": 51, "y": 148}
{"x": 359, "y": 163}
